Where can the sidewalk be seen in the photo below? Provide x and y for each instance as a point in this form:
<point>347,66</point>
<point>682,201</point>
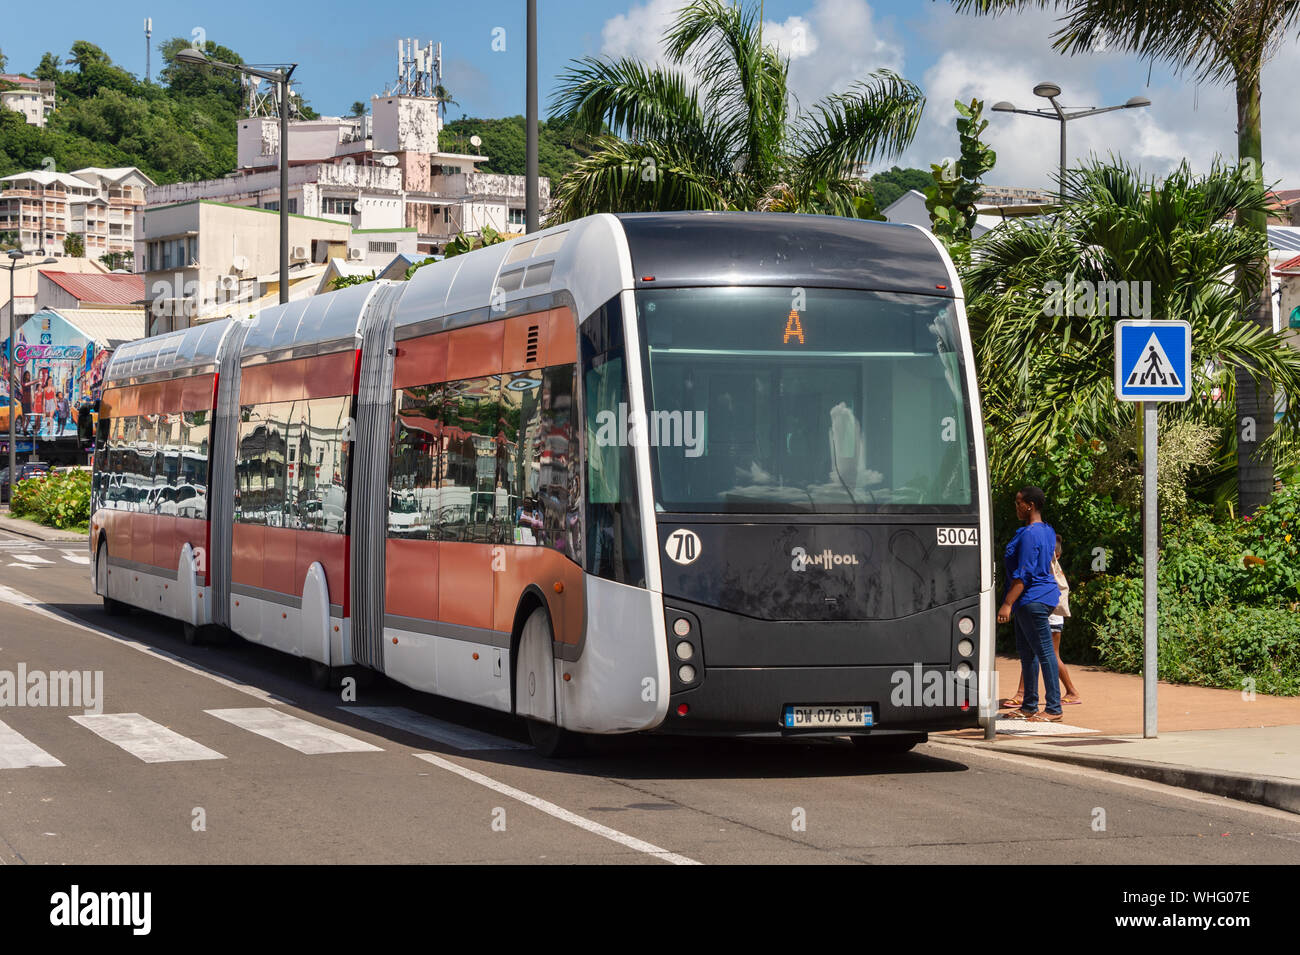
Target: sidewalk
<point>1210,740</point>
<point>18,525</point>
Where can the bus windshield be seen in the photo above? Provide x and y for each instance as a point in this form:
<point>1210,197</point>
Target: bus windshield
<point>780,400</point>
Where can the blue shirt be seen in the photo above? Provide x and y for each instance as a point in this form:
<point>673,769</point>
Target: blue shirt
<point>1029,558</point>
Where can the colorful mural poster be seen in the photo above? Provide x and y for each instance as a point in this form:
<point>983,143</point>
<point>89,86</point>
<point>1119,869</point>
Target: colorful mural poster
<point>57,371</point>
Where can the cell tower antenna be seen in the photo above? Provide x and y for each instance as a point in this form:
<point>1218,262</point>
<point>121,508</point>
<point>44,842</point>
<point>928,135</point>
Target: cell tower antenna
<point>148,32</point>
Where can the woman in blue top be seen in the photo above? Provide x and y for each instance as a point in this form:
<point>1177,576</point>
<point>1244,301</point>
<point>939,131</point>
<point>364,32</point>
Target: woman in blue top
<point>1032,593</point>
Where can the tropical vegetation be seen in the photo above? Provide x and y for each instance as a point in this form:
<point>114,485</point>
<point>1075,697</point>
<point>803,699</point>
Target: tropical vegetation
<point>718,128</point>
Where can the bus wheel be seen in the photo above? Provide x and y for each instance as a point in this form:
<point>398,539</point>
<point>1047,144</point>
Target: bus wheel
<point>322,674</point>
<point>535,689</point>
<point>887,745</point>
<point>114,608</point>
<point>193,635</point>
<point>553,742</point>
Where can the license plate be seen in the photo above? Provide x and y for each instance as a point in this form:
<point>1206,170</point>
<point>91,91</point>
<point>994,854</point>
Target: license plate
<point>822,717</point>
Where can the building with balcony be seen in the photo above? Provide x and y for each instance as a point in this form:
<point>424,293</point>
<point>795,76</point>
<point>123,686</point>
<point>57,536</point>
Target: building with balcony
<point>381,172</point>
<point>44,208</point>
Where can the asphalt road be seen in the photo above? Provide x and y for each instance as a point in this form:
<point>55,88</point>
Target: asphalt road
<point>228,754</point>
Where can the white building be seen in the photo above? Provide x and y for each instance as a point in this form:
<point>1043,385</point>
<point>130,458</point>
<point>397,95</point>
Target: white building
<point>379,172</point>
<point>33,98</point>
<point>45,207</point>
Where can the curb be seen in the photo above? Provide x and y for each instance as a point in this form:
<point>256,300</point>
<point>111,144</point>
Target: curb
<point>37,531</point>
<point>1275,792</point>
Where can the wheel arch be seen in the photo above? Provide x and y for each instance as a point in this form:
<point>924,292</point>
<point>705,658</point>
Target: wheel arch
<point>531,599</point>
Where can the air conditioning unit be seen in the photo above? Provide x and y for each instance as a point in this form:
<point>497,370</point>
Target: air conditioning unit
<point>355,255</point>
<point>229,282</point>
<point>239,263</point>
<point>300,252</point>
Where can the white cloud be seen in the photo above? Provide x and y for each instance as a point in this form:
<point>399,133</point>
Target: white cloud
<point>834,43</point>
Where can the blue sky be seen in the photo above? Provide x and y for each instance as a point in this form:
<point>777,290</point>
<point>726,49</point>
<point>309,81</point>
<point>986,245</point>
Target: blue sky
<point>345,54</point>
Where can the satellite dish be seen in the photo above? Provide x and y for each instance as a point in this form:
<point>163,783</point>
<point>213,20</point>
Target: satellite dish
<point>1294,319</point>
<point>388,160</point>
<point>475,141</point>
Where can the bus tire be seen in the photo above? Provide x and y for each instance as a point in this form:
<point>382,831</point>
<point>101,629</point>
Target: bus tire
<point>534,672</point>
<point>892,745</point>
<point>322,674</point>
<point>193,635</point>
<point>114,608</point>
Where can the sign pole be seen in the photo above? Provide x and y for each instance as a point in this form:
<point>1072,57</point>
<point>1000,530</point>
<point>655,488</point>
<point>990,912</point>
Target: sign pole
<point>1150,557</point>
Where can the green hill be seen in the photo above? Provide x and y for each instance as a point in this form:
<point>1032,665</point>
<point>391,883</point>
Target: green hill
<point>503,144</point>
<point>178,129</point>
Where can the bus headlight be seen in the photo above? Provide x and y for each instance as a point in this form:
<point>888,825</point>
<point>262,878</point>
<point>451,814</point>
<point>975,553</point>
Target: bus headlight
<point>967,626</point>
<point>687,674</point>
<point>965,647</point>
<point>685,651</point>
<point>681,626</point>
<point>963,670</point>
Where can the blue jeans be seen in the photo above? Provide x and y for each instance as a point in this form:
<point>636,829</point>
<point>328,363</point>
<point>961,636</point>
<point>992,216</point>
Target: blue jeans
<point>1034,644</point>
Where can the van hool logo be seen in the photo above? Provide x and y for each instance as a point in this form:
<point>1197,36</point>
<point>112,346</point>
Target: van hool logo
<point>827,558</point>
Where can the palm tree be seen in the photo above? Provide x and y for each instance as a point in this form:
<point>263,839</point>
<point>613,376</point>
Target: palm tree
<point>1045,354</point>
<point>443,96</point>
<point>718,129</point>
<point>1218,41</point>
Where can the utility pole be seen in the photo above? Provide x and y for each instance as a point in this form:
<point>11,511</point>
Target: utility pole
<point>531,198</point>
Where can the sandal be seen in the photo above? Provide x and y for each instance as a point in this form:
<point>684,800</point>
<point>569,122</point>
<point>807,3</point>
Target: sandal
<point>1011,702</point>
<point>1068,702</point>
<point>1044,717</point>
<point>1021,715</point>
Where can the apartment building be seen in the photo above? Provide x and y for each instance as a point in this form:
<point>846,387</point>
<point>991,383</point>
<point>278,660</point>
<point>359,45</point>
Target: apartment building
<point>45,207</point>
<point>383,172</point>
<point>33,98</point>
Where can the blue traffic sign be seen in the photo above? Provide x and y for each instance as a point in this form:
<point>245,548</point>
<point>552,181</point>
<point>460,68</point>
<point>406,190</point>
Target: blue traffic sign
<point>1153,360</point>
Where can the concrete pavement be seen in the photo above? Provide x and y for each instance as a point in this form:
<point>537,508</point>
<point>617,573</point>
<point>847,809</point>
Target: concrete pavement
<point>26,528</point>
<point>1225,742</point>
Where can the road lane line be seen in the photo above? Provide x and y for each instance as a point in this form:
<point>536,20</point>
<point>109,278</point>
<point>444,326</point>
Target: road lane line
<point>290,731</point>
<point>32,559</point>
<point>18,752</point>
<point>559,812</point>
<point>19,599</point>
<point>76,558</point>
<point>144,739</point>
<point>399,717</point>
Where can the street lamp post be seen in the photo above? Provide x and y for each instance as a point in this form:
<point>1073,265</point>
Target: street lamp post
<point>15,256</point>
<point>197,57</point>
<point>1050,91</point>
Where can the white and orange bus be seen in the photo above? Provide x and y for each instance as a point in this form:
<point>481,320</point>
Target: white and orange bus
<point>687,473</point>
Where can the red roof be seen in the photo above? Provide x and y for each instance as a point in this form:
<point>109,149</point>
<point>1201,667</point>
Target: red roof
<point>100,289</point>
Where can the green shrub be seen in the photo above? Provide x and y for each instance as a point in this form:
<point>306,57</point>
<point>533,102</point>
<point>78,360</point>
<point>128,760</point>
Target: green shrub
<point>57,500</point>
<point>1217,646</point>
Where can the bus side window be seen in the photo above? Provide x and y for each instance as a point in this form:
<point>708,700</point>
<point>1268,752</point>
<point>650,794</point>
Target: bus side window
<point>613,532</point>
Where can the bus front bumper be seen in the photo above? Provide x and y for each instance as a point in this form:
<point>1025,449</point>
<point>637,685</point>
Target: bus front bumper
<point>752,700</point>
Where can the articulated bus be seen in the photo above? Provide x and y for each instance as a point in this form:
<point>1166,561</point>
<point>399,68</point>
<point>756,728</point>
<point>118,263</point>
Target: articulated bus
<point>691,473</point>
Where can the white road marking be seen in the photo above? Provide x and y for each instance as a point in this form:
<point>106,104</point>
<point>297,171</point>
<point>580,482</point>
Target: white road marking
<point>76,558</point>
<point>144,739</point>
<point>297,734</point>
<point>399,717</point>
<point>32,559</point>
<point>19,599</point>
<point>24,566</point>
<point>17,752</point>
<point>559,812</point>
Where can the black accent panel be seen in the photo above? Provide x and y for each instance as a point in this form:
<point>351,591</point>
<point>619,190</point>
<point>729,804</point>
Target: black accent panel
<point>751,701</point>
<point>765,248</point>
<point>859,571</point>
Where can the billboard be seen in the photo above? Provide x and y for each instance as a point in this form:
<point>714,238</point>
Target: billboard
<point>56,370</point>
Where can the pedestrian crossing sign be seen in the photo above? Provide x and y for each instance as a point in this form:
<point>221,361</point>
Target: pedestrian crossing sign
<point>1153,360</point>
